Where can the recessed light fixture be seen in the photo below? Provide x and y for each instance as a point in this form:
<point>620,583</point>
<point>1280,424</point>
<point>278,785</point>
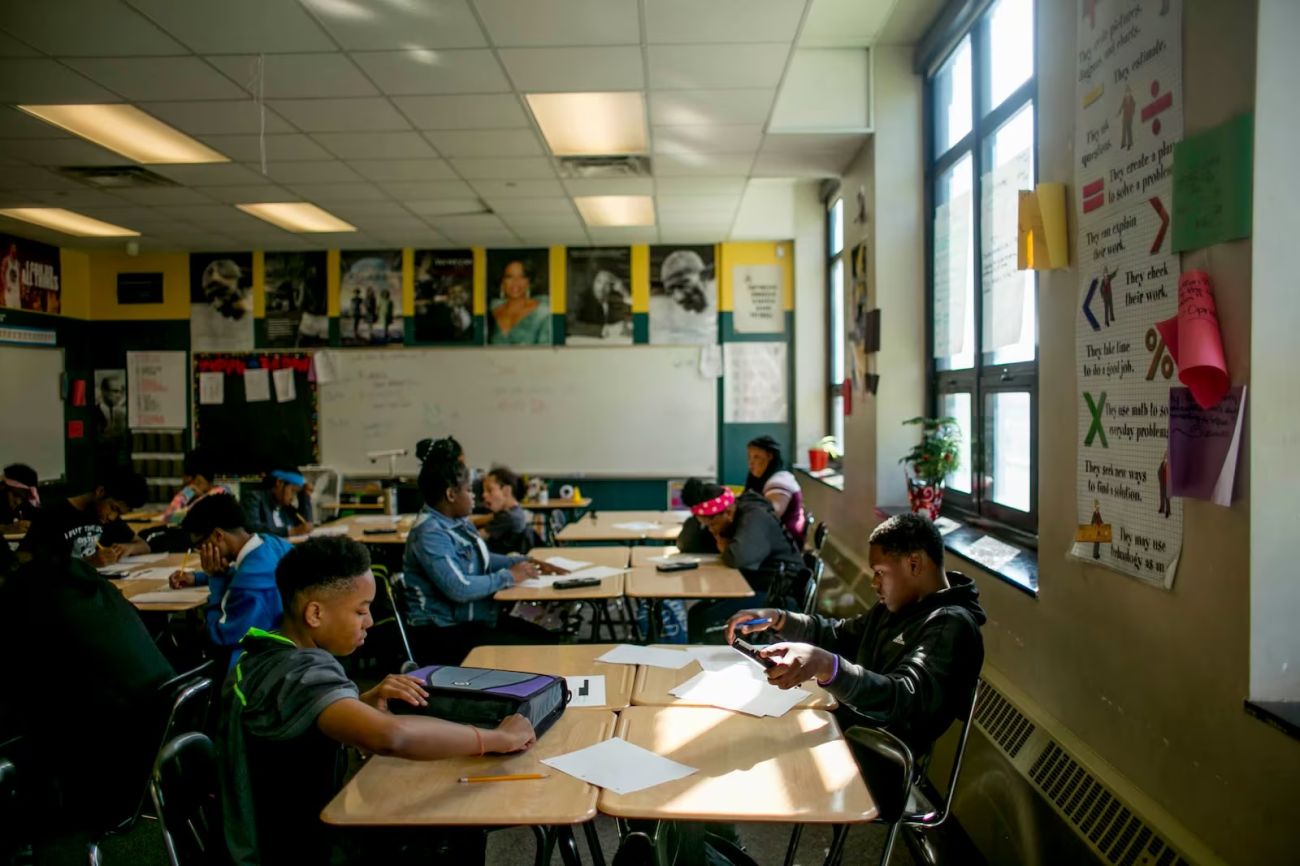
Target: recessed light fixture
<point>68,222</point>
<point>591,124</point>
<point>129,131</point>
<point>616,210</point>
<point>297,216</point>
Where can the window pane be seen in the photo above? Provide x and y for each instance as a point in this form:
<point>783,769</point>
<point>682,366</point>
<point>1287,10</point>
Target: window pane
<point>835,231</point>
<point>1011,48</point>
<point>958,406</point>
<point>1009,326</point>
<point>952,99</point>
<point>836,335</point>
<point>954,277</point>
<point>837,420</point>
<point>1009,448</point>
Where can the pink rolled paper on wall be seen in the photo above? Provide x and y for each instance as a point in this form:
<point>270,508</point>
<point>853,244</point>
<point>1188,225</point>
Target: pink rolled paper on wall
<point>1193,340</point>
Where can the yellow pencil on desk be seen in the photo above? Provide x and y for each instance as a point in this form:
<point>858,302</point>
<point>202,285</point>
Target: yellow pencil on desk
<point>517,777</point>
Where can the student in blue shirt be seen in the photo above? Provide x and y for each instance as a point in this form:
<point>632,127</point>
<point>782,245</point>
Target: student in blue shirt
<point>451,575</point>
<point>281,506</point>
<point>238,567</point>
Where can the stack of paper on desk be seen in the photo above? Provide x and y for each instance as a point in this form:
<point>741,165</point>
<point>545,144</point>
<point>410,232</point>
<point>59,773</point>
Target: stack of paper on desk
<point>741,688</point>
<point>321,531</point>
<point>717,658</point>
<point>600,572</point>
<point>171,596</point>
<point>566,563</point>
<point>619,766</point>
<point>148,574</point>
<point>637,526</point>
<point>375,520</point>
<point>142,559</point>
<point>626,654</point>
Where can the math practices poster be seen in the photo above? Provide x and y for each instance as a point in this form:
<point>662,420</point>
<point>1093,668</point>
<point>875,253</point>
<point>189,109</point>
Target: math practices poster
<point>1128,117</point>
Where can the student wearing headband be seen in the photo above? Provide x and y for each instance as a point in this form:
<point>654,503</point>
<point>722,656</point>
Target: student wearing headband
<point>745,531</point>
<point>21,500</point>
<point>281,506</point>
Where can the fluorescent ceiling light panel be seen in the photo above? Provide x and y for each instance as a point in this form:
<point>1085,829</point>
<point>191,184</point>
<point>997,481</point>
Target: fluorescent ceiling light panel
<point>616,210</point>
<point>68,222</point>
<point>591,124</point>
<point>296,216</point>
<point>127,130</point>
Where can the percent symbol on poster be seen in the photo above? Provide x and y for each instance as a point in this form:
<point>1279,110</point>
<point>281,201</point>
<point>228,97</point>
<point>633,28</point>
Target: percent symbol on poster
<point>1160,357</point>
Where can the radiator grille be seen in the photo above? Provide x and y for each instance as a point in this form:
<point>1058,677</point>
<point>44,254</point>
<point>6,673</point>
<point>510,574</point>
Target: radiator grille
<point>1004,724</point>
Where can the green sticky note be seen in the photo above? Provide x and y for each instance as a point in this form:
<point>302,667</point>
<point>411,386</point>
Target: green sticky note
<point>1212,185</point>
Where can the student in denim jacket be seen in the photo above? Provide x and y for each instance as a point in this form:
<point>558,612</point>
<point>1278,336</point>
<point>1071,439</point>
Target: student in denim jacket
<point>451,575</point>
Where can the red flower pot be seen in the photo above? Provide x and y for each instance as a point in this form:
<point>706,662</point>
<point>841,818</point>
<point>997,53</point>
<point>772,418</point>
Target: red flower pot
<point>925,498</point>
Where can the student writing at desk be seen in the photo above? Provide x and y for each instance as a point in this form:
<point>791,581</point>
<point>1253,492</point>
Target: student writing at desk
<point>289,710</point>
<point>21,499</point>
<point>281,506</point>
<point>196,476</point>
<point>90,526</point>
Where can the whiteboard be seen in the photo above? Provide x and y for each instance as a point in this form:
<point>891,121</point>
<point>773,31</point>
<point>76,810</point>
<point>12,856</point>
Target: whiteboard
<point>31,406</point>
<point>627,411</point>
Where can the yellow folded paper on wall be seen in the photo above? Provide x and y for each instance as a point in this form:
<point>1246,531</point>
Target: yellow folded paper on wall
<point>1043,242</point>
<point>1097,533</point>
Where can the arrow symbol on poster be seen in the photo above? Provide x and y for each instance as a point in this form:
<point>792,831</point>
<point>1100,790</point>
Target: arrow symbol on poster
<point>1087,303</point>
<point>1164,222</point>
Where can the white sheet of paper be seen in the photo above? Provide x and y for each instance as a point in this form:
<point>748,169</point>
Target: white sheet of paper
<point>212,389</point>
<point>946,525</point>
<point>285,388</point>
<point>1223,486</point>
<point>679,516</point>
<point>116,570</point>
<point>257,385</point>
<point>376,520</point>
<point>742,688</point>
<point>566,563</point>
<point>717,658</point>
<point>149,574</point>
<point>599,572</point>
<point>171,596</point>
<point>326,367</point>
<point>328,530</point>
<point>710,361</point>
<point>637,525</point>
<point>627,654</point>
<point>991,553</point>
<point>142,559</point>
<point>619,766</point>
<point>588,691</point>
<point>702,558</point>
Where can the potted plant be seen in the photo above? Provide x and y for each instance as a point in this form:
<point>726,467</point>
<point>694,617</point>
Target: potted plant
<point>930,462</point>
<point>820,454</point>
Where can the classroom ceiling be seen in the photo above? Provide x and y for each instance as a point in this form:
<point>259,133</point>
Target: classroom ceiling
<point>407,117</point>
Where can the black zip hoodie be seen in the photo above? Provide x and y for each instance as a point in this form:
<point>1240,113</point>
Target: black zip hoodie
<point>909,672</point>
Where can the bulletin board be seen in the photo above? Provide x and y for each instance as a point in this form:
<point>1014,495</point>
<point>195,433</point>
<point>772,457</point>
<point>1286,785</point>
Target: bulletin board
<point>278,425</point>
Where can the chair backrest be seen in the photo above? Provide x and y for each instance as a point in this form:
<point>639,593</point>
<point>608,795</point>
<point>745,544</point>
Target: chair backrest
<point>187,801</point>
<point>819,537</point>
<point>940,814</point>
<point>886,765</point>
<point>816,569</point>
<point>396,605</point>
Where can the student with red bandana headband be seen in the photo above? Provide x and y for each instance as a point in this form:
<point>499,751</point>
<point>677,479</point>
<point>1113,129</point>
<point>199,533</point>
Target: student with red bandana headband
<point>19,500</point>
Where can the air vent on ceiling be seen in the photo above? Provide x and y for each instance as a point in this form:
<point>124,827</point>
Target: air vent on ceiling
<point>604,167</point>
<point>115,176</point>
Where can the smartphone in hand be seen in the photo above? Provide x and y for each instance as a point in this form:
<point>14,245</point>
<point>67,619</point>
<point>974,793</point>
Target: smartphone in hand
<point>752,651</point>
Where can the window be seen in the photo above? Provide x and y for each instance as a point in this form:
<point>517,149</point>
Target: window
<point>835,327</point>
<point>983,312</point>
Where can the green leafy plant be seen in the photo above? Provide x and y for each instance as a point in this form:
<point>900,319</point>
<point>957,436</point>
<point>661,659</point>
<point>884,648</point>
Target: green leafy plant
<point>830,446</point>
<point>938,454</point>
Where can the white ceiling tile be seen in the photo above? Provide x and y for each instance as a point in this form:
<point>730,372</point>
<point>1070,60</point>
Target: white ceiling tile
<point>123,213</point>
<point>341,240</point>
<point>487,238</point>
<point>341,115</point>
<point>29,177</point>
<point>689,107</point>
<point>766,211</point>
<point>81,198</point>
<point>689,67</point>
<point>448,207</point>
<point>85,28</point>
<point>60,151</point>
<point>403,169</point>
<point>522,168</point>
<point>247,148</point>
<point>618,186</point>
<point>158,78</point>
<point>218,118</point>
<point>369,209</point>
<point>687,164</point>
<point>427,189</point>
<point>812,164</point>
<point>532,208</point>
<point>706,139</point>
<point>365,25</point>
<point>700,185</point>
<point>494,189</point>
<point>846,145</point>
<point>476,222</point>
<point>670,21</point>
<point>290,76</point>
<point>261,192</point>
<point>519,142</point>
<point>491,111</point>
<point>623,235</point>
<point>11,47</point>
<point>806,104</point>
<point>687,235</point>
<point>845,22</point>
<point>331,171</point>
<point>425,71</point>
<point>561,22</point>
<point>164,196</point>
<point>16,124</point>
<point>33,81</point>
<point>544,237</point>
<point>379,224</point>
<point>238,26</point>
<point>376,145</point>
<point>696,205</point>
<point>322,193</point>
<point>531,223</point>
<point>908,21</point>
<point>538,70</point>
<point>221,174</point>
<point>719,225</point>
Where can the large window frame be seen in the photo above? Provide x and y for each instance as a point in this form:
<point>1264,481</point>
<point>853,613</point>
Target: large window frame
<point>836,271</point>
<point>983,379</point>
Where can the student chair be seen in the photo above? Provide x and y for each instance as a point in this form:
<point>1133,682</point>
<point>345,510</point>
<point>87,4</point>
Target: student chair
<point>187,802</point>
<point>395,613</point>
<point>819,537</point>
<point>816,568</point>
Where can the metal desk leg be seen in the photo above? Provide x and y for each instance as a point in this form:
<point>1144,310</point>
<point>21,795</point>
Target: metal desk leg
<point>629,609</point>
<point>545,845</point>
<point>793,847</point>
<point>835,853</point>
<point>593,843</point>
<point>568,846</point>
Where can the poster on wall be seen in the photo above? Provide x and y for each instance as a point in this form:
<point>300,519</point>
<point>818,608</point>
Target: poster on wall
<point>297,307</point>
<point>444,297</point>
<point>758,296</point>
<point>1128,117</point>
<point>754,387</point>
<point>110,405</point>
<point>599,296</point>
<point>370,297</point>
<point>683,296</point>
<point>155,387</point>
<point>29,275</point>
<point>221,302</point>
<point>518,297</point>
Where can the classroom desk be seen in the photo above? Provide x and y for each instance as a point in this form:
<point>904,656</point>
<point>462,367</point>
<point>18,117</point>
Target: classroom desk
<point>653,684</point>
<point>600,526</point>
<point>135,587</point>
<point>554,504</point>
<point>710,580</point>
<point>796,768</point>
<point>565,660</point>
<point>610,587</point>
<point>398,527</point>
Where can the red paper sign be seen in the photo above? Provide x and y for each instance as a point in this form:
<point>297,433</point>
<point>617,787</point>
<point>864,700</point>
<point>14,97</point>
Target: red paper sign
<point>76,430</point>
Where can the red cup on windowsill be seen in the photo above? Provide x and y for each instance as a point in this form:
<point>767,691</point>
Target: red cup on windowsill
<point>817,459</point>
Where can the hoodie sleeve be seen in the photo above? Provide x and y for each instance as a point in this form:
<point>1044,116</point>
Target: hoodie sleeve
<point>840,636</point>
<point>435,552</point>
<point>249,599</point>
<point>694,538</point>
<point>751,544</point>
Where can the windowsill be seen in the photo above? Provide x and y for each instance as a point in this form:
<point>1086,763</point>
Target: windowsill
<point>1020,570</point>
<point>1283,715</point>
<point>830,476</point>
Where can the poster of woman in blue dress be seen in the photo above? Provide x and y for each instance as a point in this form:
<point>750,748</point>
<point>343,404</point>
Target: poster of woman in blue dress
<point>519,307</point>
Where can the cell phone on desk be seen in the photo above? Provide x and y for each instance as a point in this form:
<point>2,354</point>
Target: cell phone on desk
<point>577,583</point>
<point>683,565</point>
<point>750,650</point>
<point>386,530</point>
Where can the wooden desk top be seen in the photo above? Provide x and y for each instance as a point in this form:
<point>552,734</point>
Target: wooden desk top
<point>707,581</point>
<point>600,526</point>
<point>793,768</point>
<point>566,660</point>
<point>400,792</point>
<point>653,684</point>
<point>131,588</point>
<point>610,587</point>
<point>556,504</point>
<point>644,555</point>
<point>399,525</point>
